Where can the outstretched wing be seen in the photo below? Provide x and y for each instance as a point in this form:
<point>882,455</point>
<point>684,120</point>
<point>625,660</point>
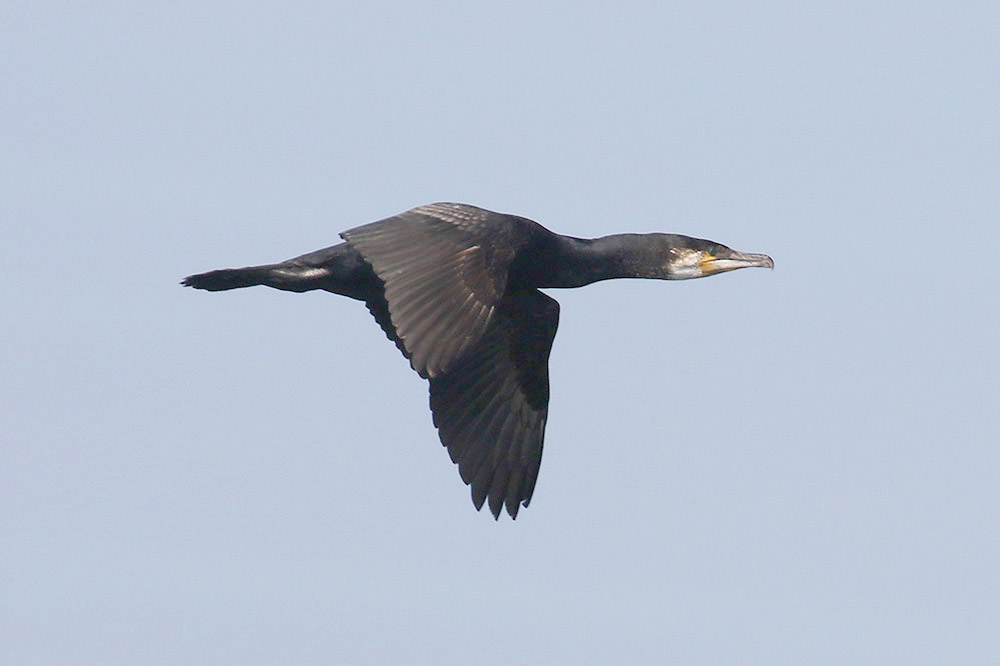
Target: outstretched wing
<point>490,407</point>
<point>444,267</point>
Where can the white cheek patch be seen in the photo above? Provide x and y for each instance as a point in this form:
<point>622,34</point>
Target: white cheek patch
<point>686,272</point>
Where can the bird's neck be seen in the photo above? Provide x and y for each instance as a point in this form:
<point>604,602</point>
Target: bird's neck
<point>580,261</point>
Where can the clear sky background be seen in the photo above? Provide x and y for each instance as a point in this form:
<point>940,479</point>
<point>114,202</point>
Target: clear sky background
<point>798,466</point>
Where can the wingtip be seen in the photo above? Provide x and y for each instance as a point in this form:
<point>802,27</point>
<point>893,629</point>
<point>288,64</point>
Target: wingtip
<point>512,509</point>
<point>479,500</point>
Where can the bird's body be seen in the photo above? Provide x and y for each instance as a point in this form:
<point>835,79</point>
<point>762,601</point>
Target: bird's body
<point>456,287</point>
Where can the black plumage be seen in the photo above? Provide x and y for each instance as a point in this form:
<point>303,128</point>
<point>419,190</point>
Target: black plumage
<point>456,287</point>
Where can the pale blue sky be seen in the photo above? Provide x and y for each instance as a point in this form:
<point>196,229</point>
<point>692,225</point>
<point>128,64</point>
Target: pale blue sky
<point>788,467</point>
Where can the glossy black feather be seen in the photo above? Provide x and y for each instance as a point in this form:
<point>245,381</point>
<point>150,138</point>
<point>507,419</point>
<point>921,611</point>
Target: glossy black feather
<point>444,273</point>
<point>491,407</point>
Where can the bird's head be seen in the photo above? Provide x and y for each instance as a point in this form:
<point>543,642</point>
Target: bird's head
<point>695,257</point>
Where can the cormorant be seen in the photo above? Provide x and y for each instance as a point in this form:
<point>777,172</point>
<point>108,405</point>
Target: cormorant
<point>456,287</point>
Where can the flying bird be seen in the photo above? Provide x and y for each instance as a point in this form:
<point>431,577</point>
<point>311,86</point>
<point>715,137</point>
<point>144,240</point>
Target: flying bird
<point>456,288</point>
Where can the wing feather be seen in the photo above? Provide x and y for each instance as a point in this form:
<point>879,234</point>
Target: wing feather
<point>491,406</point>
<point>444,269</point>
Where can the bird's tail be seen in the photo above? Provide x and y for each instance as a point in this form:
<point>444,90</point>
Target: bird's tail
<point>231,278</point>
